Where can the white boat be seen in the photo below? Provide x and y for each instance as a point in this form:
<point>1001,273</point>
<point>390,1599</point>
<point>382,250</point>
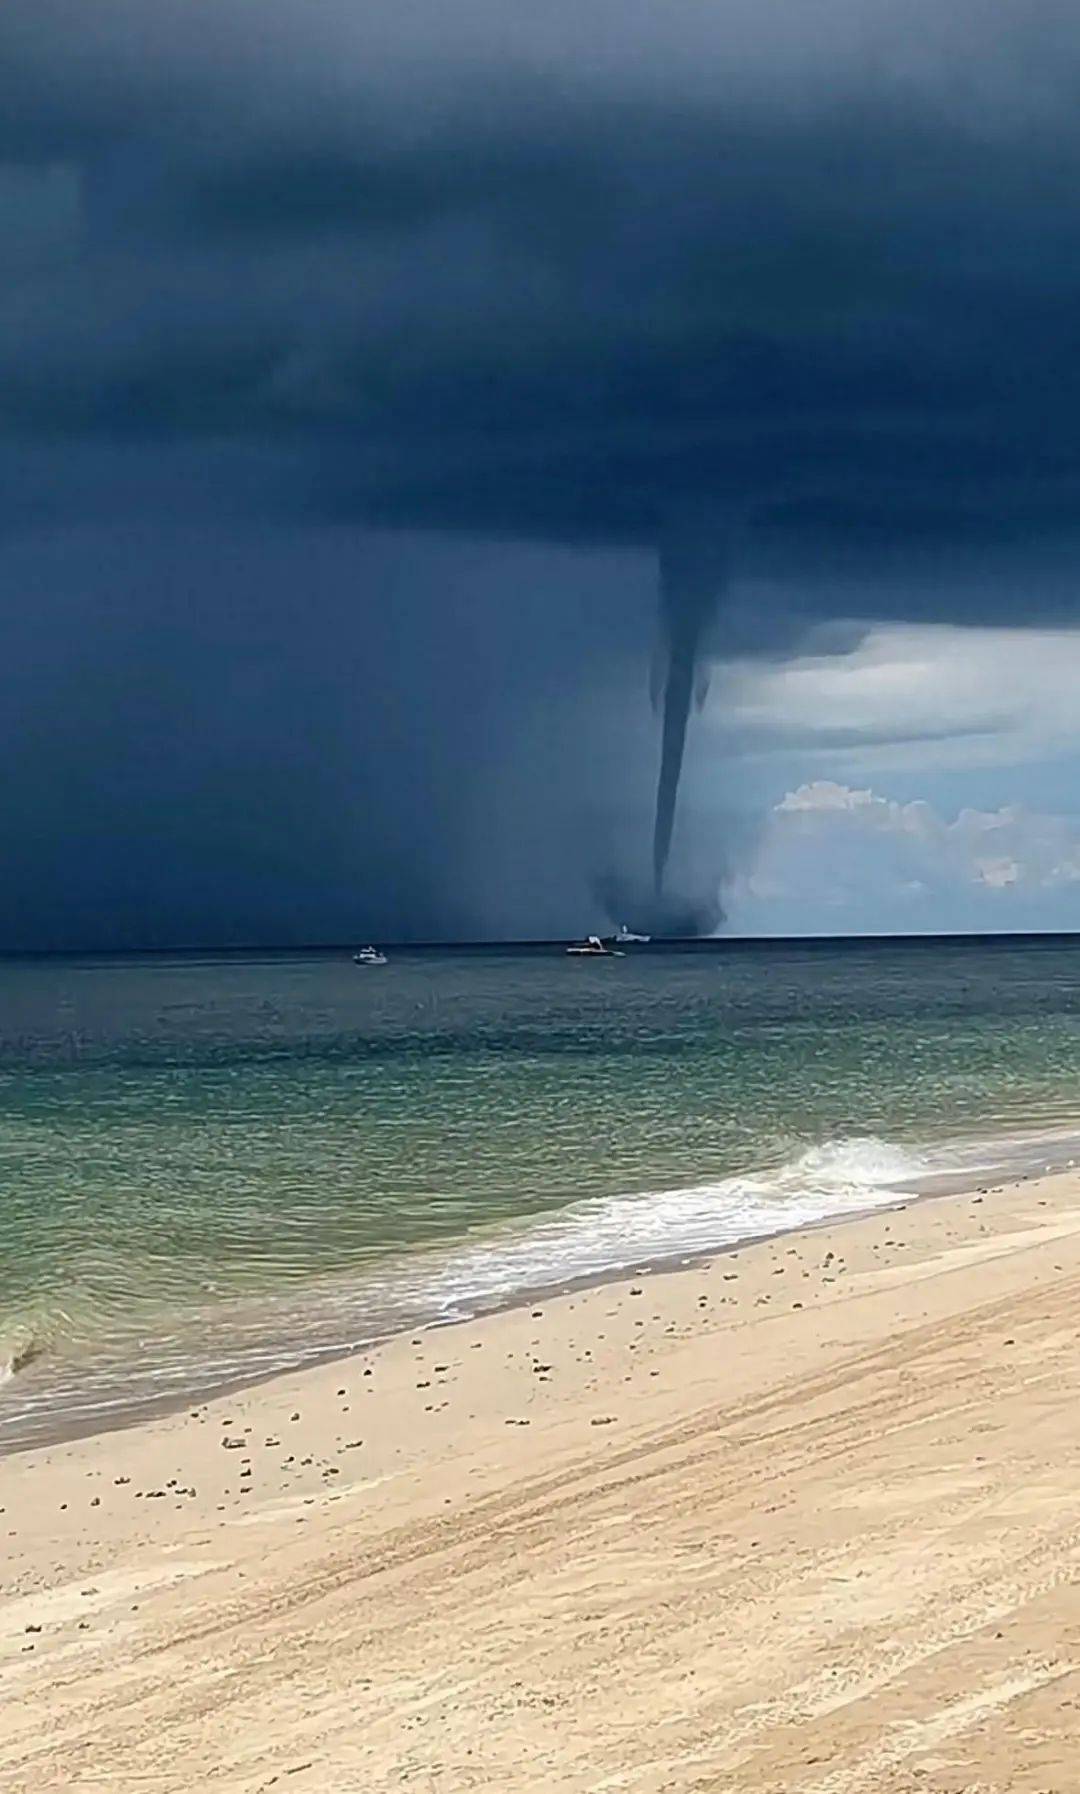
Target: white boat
<point>627,938</point>
<point>369,956</point>
<point>592,948</point>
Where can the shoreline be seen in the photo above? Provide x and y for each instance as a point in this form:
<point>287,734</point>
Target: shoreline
<point>135,1412</point>
<point>755,1495</point>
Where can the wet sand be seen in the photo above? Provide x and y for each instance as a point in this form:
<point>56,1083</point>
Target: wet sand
<point>806,1517</point>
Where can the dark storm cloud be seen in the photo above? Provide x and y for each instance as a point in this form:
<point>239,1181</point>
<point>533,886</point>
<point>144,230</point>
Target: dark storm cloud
<point>544,274</point>
<point>213,732</point>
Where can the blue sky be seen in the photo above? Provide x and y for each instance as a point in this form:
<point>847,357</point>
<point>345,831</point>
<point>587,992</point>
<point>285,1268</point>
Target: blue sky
<point>924,780</point>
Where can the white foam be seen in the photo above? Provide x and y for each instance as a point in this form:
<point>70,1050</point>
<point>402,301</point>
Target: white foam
<point>613,1233</point>
<point>236,1342</point>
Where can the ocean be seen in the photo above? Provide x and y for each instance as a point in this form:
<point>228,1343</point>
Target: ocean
<point>216,1167</point>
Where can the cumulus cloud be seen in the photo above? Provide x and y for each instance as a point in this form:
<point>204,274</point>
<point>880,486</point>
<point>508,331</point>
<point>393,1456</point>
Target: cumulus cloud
<point>835,858</point>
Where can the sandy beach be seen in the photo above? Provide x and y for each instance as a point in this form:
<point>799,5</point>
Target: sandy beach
<point>805,1517</point>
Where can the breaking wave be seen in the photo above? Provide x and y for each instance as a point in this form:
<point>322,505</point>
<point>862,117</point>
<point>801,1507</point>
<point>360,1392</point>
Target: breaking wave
<point>91,1379</point>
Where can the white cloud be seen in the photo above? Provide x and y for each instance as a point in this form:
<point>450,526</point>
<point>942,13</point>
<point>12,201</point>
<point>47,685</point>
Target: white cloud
<point>834,856</point>
<point>826,794</point>
<point>912,695</point>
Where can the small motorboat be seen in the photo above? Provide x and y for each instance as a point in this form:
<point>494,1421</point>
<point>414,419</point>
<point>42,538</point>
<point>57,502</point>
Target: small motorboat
<point>627,938</point>
<point>592,948</point>
<point>369,956</point>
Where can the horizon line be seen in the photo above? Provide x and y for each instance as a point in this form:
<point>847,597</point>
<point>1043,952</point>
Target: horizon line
<point>699,943</point>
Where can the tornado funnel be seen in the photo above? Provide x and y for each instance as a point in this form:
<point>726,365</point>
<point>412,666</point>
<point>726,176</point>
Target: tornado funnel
<point>693,566</point>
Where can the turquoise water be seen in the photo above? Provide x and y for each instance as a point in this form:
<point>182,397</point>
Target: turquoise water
<point>210,1168</point>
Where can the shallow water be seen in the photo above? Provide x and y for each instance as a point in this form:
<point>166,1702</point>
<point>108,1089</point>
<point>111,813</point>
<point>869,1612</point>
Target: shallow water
<point>210,1168</point>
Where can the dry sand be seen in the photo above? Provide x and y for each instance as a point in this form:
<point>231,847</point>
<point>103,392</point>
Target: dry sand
<point>804,1518</point>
